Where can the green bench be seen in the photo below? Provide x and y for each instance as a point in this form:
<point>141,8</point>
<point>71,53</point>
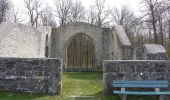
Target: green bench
<point>156,85</point>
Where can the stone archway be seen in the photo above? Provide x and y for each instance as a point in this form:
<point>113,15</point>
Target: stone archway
<point>80,52</point>
<point>61,37</point>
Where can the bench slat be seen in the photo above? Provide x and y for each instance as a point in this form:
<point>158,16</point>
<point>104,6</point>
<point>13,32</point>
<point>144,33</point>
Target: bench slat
<point>142,93</point>
<point>141,81</point>
<point>141,85</point>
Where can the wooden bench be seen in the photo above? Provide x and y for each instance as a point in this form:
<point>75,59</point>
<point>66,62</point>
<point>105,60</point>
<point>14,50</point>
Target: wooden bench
<point>156,85</point>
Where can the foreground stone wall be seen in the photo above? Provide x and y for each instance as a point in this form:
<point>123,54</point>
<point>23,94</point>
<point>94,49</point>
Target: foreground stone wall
<point>134,70</point>
<point>31,75</point>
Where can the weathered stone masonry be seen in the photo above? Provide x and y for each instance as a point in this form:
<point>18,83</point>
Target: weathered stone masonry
<point>33,75</point>
<point>22,41</point>
<point>109,43</point>
<point>61,36</point>
<point>134,70</point>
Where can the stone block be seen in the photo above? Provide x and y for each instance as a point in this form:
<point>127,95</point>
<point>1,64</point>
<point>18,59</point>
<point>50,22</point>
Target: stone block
<point>31,75</point>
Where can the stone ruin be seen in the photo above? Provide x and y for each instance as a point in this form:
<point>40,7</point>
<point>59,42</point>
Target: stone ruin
<point>22,41</point>
<point>32,59</point>
<point>151,52</point>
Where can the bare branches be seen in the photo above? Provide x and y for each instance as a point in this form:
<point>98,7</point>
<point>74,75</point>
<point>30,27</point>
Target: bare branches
<point>63,9</point>
<point>48,17</point>
<point>156,11</point>
<point>131,23</point>
<point>91,16</point>
<point>102,12</point>
<point>5,5</point>
<point>77,13</point>
<point>98,14</point>
<point>16,16</point>
<point>126,18</point>
<point>33,11</point>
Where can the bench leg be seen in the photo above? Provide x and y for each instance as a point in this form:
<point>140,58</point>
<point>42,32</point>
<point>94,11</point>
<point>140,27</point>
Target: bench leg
<point>124,97</point>
<point>161,97</point>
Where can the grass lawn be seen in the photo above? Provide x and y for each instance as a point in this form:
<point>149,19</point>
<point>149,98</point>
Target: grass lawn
<point>85,84</point>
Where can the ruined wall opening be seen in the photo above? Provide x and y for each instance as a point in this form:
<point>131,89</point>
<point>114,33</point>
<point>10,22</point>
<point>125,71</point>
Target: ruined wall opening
<point>80,52</point>
<point>46,46</point>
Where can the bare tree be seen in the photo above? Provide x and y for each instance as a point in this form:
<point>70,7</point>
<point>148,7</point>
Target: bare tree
<point>124,17</point>
<point>127,19</point>
<point>33,11</point>
<point>63,9</point>
<point>102,12</point>
<point>5,6</point>
<point>159,16</point>
<point>163,16</point>
<point>152,6</point>
<point>116,16</point>
<point>91,15</point>
<point>16,16</point>
<point>156,12</point>
<point>77,13</point>
<point>47,17</point>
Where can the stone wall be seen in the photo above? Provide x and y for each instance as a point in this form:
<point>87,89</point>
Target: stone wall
<point>122,47</point>
<point>61,37</point>
<point>22,41</point>
<point>45,39</point>
<point>151,52</point>
<point>33,75</point>
<point>107,46</point>
<point>134,70</point>
<point>117,46</point>
<point>122,52</point>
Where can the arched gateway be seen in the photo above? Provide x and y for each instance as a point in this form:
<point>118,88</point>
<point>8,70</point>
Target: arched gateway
<point>80,52</point>
<point>76,35</point>
<point>84,47</point>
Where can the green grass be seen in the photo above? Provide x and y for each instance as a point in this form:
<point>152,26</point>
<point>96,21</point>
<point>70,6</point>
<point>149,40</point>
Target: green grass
<point>74,84</point>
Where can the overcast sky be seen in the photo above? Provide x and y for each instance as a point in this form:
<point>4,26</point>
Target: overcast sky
<point>134,4</point>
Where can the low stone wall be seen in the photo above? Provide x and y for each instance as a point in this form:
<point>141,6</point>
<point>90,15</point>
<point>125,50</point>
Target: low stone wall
<point>33,75</point>
<point>134,70</point>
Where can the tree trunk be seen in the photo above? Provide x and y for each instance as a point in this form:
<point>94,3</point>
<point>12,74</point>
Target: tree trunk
<point>161,30</point>
<point>169,28</point>
<point>153,23</point>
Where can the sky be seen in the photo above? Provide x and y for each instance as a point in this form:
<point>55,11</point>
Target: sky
<point>134,4</point>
